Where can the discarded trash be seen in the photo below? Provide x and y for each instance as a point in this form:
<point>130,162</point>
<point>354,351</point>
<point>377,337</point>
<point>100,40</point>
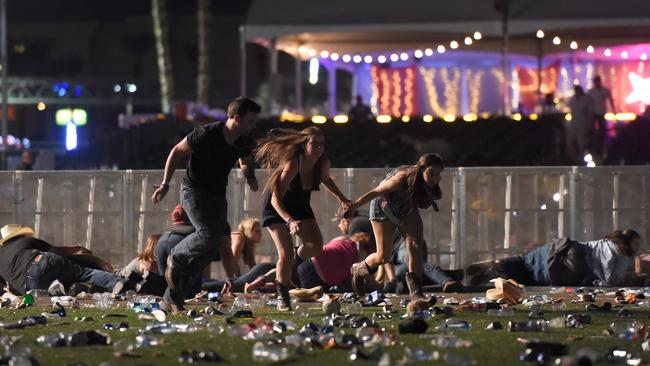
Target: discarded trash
<point>419,354</point>
<point>194,356</point>
<point>273,352</point>
<point>456,324</point>
<point>82,338</point>
<point>528,326</point>
<point>543,352</point>
<point>456,359</point>
<point>449,341</point>
<point>373,354</point>
<point>331,307</point>
<point>413,325</point>
<point>501,312</point>
<point>621,356</point>
<point>24,322</point>
<point>606,306</point>
<point>494,326</point>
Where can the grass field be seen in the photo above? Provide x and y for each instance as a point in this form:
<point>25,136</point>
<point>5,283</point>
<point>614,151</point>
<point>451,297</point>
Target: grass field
<point>489,348</point>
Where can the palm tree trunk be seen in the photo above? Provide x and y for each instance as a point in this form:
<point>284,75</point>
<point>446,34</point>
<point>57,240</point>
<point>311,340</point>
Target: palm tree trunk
<point>203,75</point>
<point>160,31</point>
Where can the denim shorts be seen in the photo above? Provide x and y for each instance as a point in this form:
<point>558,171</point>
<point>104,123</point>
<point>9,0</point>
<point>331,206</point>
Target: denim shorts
<point>382,209</point>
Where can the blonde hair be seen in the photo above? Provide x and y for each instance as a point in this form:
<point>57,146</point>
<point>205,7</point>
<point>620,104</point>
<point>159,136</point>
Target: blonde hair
<point>247,225</point>
<point>280,146</point>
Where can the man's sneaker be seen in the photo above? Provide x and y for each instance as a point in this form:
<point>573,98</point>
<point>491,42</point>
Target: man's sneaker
<point>171,307</point>
<point>56,288</point>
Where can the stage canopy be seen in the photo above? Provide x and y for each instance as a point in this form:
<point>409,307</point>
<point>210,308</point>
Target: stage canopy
<point>366,26</point>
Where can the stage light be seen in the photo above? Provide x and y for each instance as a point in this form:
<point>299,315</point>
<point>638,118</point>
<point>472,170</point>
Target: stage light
<point>573,45</point>
<point>477,35</point>
<point>314,65</point>
<point>449,118</point>
<point>428,52</point>
<point>640,89</point>
<point>334,57</point>
<point>625,116</point>
<point>441,49</point>
<point>117,88</point>
<point>311,53</point>
<point>384,118</point>
<point>533,117</point>
<point>453,45</point>
<point>568,117</point>
<point>644,57</point>
<point>542,207</point>
<point>590,49</point>
<point>319,119</point>
<point>79,116</point>
<point>367,59</point>
<point>470,117</point>
<point>418,53</point>
<point>340,118</point>
<point>517,117</point>
<point>324,54</point>
<point>70,136</point>
<point>427,118</point>
<point>610,116</point>
<point>556,197</point>
<point>587,158</point>
<point>381,59</point>
<point>357,59</point>
<point>468,41</point>
<point>406,119</point>
<point>394,57</point>
<point>346,58</point>
<point>540,34</point>
<point>624,55</point>
<point>607,52</point>
<point>302,50</point>
<point>403,56</point>
<point>131,88</point>
<point>41,106</point>
<point>557,41</point>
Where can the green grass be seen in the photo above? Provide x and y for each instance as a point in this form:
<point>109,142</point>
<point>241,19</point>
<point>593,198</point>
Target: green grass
<point>490,347</point>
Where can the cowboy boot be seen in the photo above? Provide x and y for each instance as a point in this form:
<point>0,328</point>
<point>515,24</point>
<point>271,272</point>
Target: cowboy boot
<point>284,300</point>
<point>360,274</point>
<point>418,301</point>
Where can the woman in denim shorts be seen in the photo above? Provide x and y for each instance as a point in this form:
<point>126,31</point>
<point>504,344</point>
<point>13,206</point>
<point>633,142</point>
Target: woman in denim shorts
<point>394,205</point>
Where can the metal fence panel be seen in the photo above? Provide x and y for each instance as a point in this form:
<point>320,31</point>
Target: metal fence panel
<point>485,213</point>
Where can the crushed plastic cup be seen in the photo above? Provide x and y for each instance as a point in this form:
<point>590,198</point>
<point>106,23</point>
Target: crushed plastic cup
<point>559,322</point>
<point>558,306</point>
<point>145,340</point>
<point>240,302</point>
<point>63,300</point>
<point>123,346</point>
<point>300,311</point>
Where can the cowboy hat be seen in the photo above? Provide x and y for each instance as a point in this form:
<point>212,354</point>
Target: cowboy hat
<point>13,230</point>
<point>509,290</point>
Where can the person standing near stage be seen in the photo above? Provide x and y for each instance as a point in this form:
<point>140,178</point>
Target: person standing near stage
<point>213,149</point>
<point>600,96</point>
<point>299,168</point>
<point>394,204</point>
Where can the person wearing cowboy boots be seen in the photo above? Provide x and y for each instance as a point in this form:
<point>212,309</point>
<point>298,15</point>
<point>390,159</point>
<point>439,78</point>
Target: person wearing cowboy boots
<point>394,205</point>
<point>28,263</point>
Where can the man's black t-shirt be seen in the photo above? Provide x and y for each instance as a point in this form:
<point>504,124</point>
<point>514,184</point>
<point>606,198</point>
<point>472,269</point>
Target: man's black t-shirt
<point>15,257</point>
<point>212,158</point>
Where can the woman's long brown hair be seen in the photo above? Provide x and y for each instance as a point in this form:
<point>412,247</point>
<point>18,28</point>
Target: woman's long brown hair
<point>623,240</point>
<point>279,146</point>
<point>417,189</point>
<point>147,254</point>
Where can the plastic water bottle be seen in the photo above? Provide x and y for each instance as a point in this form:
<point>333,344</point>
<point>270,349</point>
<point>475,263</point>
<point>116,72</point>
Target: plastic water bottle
<point>455,324</point>
<point>271,352</point>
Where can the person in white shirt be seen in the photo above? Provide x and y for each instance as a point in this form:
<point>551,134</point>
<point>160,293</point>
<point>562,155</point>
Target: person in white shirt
<point>577,130</point>
<point>600,96</point>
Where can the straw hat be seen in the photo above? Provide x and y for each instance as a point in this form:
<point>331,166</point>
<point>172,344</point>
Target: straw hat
<point>509,290</point>
<point>13,230</point>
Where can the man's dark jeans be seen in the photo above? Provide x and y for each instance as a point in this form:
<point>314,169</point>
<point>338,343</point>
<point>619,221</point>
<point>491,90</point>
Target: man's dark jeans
<point>207,214</point>
<point>55,267</point>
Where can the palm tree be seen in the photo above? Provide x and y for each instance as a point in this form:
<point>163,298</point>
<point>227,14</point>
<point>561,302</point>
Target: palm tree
<point>160,31</point>
<point>203,75</point>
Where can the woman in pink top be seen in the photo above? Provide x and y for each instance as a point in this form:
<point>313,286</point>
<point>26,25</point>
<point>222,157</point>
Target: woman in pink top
<point>331,267</point>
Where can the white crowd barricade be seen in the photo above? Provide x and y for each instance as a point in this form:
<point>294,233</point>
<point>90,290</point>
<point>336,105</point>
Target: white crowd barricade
<point>485,213</point>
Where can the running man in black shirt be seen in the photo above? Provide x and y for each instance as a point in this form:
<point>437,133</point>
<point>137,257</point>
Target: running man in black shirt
<point>213,150</point>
